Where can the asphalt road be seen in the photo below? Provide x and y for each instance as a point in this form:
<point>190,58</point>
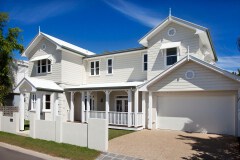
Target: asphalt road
<point>7,154</point>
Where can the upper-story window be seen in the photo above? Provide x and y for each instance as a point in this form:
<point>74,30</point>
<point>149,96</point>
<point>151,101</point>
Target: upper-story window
<point>44,66</point>
<point>171,56</point>
<point>94,68</point>
<point>145,62</point>
<point>109,66</point>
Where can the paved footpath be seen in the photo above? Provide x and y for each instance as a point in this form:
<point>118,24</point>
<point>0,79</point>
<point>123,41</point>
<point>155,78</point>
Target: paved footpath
<point>113,156</point>
<point>10,152</point>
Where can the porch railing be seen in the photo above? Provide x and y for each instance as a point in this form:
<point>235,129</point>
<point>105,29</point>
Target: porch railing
<point>118,118</point>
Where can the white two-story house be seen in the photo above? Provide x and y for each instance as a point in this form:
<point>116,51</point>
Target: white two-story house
<point>171,82</point>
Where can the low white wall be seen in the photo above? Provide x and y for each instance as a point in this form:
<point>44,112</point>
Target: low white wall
<point>93,135</point>
<point>9,124</point>
<point>98,134</point>
<point>75,133</point>
<point>45,130</point>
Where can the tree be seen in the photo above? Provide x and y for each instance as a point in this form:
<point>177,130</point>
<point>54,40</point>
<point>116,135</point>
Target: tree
<point>237,73</point>
<point>9,43</point>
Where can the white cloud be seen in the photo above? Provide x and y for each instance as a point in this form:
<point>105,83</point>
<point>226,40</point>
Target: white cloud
<point>230,63</point>
<point>41,11</point>
<point>140,14</point>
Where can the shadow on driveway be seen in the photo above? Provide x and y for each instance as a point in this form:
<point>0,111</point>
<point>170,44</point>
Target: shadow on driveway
<point>221,147</point>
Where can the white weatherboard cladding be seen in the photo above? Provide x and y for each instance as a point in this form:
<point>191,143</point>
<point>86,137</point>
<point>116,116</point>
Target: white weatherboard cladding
<point>56,55</point>
<point>72,69</point>
<point>207,112</point>
<point>205,79</point>
<point>156,58</point>
<point>126,68</point>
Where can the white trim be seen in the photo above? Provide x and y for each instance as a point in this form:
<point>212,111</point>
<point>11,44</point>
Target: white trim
<point>171,28</point>
<point>40,58</point>
<point>47,66</point>
<point>44,102</point>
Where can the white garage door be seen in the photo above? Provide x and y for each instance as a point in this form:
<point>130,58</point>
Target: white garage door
<point>197,112</point>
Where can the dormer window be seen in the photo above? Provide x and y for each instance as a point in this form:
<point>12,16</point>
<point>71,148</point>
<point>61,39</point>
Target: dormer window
<point>171,56</point>
<point>44,66</point>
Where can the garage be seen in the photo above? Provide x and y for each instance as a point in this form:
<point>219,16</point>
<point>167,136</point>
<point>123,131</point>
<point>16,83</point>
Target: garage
<point>207,112</point>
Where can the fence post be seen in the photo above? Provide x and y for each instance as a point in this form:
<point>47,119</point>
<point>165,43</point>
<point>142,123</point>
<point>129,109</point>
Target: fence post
<point>58,131</point>
<point>32,125</point>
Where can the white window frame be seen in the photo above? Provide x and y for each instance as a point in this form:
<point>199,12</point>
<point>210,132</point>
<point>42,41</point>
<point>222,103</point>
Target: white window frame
<point>109,66</point>
<point>144,62</point>
<point>165,56</point>
<point>33,101</point>
<point>47,66</point>
<point>94,67</point>
<point>44,102</point>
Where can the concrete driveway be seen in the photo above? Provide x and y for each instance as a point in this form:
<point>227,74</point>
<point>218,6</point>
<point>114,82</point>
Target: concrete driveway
<point>162,144</point>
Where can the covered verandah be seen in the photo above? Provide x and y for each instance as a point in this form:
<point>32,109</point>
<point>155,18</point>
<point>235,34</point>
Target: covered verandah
<point>120,103</point>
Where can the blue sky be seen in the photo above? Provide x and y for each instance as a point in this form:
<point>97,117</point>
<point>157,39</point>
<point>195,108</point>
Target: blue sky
<point>106,25</point>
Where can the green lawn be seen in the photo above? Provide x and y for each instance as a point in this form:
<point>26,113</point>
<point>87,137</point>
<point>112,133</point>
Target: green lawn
<point>50,147</point>
<point>113,133</point>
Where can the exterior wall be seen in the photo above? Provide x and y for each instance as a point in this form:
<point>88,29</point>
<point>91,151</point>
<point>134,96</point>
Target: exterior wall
<point>55,75</point>
<point>9,124</point>
<point>126,68</point>
<point>205,79</point>
<point>72,133</point>
<point>156,58</point>
<point>72,69</point>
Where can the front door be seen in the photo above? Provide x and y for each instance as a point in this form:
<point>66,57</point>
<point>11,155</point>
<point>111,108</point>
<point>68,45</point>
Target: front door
<point>121,104</point>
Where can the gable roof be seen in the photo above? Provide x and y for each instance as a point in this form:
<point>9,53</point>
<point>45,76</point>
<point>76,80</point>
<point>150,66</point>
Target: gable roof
<point>183,61</point>
<point>60,43</point>
<point>39,84</point>
<point>203,32</point>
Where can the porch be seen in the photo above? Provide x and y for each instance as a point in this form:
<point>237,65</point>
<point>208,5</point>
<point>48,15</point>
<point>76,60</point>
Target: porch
<point>123,107</point>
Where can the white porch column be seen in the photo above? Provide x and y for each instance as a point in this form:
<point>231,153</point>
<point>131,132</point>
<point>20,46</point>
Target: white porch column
<point>136,108</point>
<point>107,104</point>
<point>52,106</point>
<point>56,105</point>
<point>144,109</point>
<point>129,107</point>
<point>238,112</point>
<point>38,105</point>
<point>83,106</point>
<point>21,111</point>
<point>72,107</point>
<point>88,106</point>
<point>150,111</point>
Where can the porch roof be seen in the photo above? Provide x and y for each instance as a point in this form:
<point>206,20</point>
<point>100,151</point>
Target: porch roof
<point>37,84</point>
<point>121,85</point>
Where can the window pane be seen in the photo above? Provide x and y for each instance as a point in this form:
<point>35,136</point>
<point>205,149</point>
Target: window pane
<point>92,64</point>
<point>44,69</point>
<point>47,97</point>
<point>145,57</point>
<point>97,71</point>
<point>49,68</point>
<point>171,56</point>
<point>92,71</point>
<point>44,62</point>
<point>97,64</point>
<point>109,70</point>
<point>48,105</point>
<point>145,66</point>
<point>39,69</point>
<point>110,62</point>
<point>39,63</point>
